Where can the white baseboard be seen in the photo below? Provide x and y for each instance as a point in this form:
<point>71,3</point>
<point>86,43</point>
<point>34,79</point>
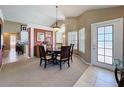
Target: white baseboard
<point>1,67</point>
<point>84,60</point>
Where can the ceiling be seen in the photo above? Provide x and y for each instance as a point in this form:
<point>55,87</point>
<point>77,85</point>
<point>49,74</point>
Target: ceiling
<point>44,14</point>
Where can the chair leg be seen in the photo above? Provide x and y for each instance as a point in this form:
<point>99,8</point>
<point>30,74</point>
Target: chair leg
<point>60,65</point>
<point>68,63</point>
<point>45,64</point>
<point>71,59</point>
<point>40,61</point>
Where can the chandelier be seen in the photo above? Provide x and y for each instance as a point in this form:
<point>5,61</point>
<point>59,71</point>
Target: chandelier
<point>56,27</point>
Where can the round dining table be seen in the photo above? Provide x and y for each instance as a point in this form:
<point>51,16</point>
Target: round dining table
<point>54,54</point>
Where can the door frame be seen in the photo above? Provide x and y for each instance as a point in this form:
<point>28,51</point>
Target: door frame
<point>94,42</point>
<point>1,24</point>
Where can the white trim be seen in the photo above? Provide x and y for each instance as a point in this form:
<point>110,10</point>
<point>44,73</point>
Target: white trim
<point>1,67</point>
<point>40,27</point>
<point>93,44</point>
<point>1,15</point>
<point>83,60</point>
<point>77,84</point>
<point>32,42</point>
<point>108,21</point>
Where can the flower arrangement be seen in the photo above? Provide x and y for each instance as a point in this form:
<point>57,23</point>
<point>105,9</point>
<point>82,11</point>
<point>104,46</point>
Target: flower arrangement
<point>45,42</point>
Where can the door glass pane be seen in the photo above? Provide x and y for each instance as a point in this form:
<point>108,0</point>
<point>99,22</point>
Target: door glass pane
<point>100,30</point>
<point>108,44</point>
<point>108,29</point>
<point>105,44</point>
<point>100,58</point>
<point>101,51</point>
<point>101,37</point>
<point>100,44</point>
<point>108,60</point>
<point>108,37</point>
<point>108,52</point>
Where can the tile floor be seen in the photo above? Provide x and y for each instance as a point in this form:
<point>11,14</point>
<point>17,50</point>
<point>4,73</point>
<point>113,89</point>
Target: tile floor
<point>96,77</point>
<point>11,56</point>
<point>92,77</point>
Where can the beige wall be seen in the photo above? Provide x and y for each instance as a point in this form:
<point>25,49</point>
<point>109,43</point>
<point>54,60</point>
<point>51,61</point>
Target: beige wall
<point>89,17</point>
<point>6,42</point>
<point>10,26</point>
<point>6,39</point>
<point>71,24</point>
<point>86,19</point>
<point>8,29</point>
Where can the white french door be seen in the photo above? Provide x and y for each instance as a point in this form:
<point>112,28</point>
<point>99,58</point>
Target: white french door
<point>107,42</point>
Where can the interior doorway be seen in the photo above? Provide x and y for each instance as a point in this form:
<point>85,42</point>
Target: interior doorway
<point>13,41</point>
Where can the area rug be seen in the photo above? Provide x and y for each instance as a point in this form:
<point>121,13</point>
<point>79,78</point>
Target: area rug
<point>28,73</point>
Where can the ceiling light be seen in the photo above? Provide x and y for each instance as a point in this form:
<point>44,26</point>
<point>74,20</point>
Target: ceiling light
<point>56,27</point>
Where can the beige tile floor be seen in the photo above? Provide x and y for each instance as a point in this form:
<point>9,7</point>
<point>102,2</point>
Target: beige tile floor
<point>11,56</point>
<point>96,77</point>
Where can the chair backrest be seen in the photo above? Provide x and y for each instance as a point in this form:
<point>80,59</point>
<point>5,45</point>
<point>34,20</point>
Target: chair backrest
<point>72,47</point>
<point>42,52</point>
<point>65,52</point>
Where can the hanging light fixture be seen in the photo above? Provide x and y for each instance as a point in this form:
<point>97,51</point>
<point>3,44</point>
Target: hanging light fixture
<point>56,27</point>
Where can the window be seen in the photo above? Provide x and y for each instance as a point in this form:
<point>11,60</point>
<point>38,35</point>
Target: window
<point>59,34</point>
<point>24,37</point>
<point>104,39</point>
<point>72,38</point>
<point>82,40</point>
<point>58,37</point>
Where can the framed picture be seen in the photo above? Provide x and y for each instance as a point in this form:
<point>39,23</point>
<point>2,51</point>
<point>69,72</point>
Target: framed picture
<point>40,36</point>
<point>23,27</point>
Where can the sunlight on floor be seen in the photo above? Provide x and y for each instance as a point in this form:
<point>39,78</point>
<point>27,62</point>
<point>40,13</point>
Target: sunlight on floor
<point>96,77</point>
<point>11,56</point>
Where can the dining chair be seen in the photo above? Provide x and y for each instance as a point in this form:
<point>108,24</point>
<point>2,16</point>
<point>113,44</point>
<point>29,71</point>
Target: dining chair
<point>121,82</point>
<point>43,56</point>
<point>119,77</point>
<point>71,51</point>
<point>64,55</point>
<point>119,72</point>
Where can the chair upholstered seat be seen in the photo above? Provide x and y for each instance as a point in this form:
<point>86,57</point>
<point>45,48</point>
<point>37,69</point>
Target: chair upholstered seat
<point>48,57</point>
<point>58,58</point>
<point>44,56</point>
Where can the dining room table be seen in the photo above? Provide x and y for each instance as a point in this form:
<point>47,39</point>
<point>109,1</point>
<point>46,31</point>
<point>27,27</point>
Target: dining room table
<point>54,54</point>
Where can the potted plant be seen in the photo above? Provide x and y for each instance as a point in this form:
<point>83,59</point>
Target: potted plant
<point>45,44</point>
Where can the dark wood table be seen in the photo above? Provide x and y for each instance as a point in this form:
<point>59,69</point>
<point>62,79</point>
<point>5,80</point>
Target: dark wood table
<point>54,54</point>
